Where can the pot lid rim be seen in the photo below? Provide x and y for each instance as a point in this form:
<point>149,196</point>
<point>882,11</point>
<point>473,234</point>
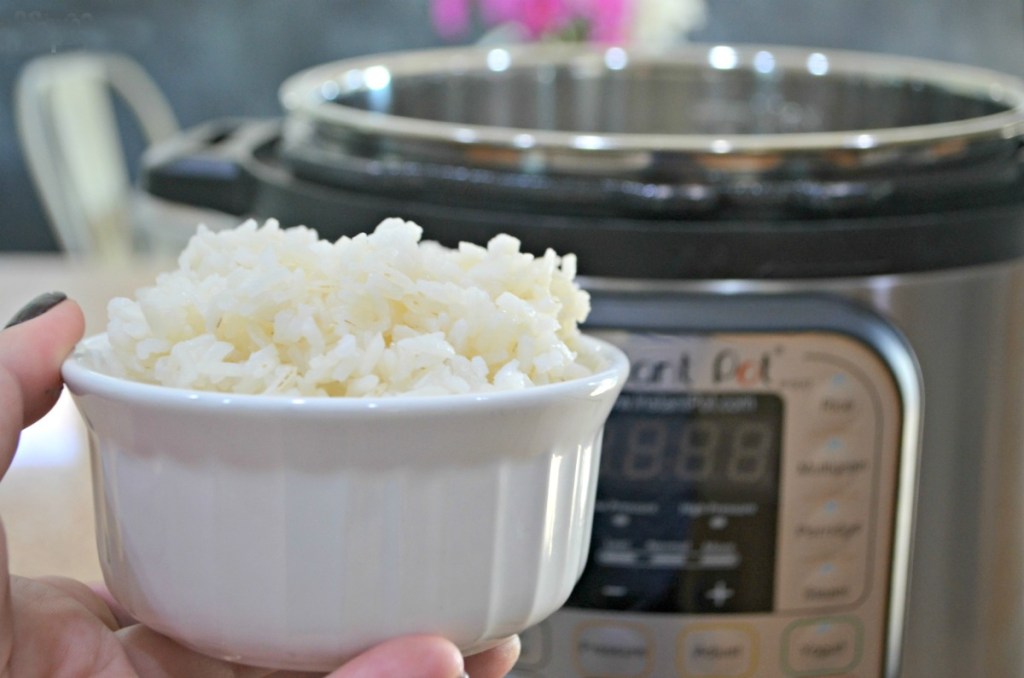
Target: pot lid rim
<point>301,95</point>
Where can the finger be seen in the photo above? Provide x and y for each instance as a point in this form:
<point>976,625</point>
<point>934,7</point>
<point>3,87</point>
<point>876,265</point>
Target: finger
<point>30,358</point>
<point>85,597</point>
<point>409,657</point>
<point>6,614</point>
<point>32,352</point>
<point>121,615</point>
<point>155,656</point>
<point>496,662</point>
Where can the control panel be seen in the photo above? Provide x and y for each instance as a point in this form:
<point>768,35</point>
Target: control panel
<point>745,514</point>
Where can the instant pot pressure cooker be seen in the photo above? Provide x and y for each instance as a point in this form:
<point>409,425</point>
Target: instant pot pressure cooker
<point>815,262</point>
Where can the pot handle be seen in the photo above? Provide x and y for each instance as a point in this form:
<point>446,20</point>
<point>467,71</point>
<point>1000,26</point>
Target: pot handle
<point>206,166</point>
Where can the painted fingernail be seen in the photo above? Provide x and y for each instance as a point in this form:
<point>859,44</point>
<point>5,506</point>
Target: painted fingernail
<point>36,307</point>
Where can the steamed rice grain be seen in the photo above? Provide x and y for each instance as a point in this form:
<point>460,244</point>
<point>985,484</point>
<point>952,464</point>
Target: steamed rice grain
<point>261,309</point>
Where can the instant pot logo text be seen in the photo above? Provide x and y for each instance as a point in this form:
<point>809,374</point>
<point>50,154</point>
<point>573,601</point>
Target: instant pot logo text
<point>730,366</point>
<point>727,366</point>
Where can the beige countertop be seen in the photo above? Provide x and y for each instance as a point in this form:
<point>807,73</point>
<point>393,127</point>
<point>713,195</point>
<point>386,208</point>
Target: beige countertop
<point>46,496</point>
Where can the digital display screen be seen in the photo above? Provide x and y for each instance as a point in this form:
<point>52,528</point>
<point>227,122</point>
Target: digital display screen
<point>687,504</point>
<point>722,451</point>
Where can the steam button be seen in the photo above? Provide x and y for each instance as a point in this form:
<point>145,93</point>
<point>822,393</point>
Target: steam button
<point>837,580</point>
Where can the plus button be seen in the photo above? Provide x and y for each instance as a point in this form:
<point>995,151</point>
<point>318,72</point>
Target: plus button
<point>719,594</point>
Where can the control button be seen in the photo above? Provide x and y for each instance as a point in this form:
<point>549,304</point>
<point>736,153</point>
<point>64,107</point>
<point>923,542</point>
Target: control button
<point>816,539</point>
<point>835,461</point>
<point>534,645</point>
<point>829,578</point>
<point>723,651</point>
<point>832,523</point>
<point>837,402</point>
<point>621,520</point>
<point>624,588</point>
<point>829,567</point>
<point>719,594</point>
<point>616,557</point>
<point>817,645</point>
<point>838,580</point>
<point>613,650</point>
<point>841,516</point>
<point>849,506</point>
<point>723,591</point>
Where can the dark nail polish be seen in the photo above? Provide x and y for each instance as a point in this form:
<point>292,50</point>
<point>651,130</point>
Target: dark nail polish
<point>36,307</point>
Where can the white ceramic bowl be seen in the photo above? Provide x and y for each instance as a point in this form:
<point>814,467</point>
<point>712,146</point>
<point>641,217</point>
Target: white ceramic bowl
<point>293,533</point>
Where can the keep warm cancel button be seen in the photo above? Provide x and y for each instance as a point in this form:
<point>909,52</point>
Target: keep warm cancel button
<point>816,645</point>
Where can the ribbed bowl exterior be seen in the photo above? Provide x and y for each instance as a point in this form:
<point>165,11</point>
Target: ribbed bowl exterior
<point>297,537</point>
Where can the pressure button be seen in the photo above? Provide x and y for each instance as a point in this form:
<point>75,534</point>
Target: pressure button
<point>613,650</point>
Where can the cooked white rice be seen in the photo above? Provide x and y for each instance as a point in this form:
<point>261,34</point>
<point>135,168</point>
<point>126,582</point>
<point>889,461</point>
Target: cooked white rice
<point>261,309</point>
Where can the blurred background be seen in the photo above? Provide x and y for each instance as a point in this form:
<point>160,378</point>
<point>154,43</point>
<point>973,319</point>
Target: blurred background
<point>215,58</point>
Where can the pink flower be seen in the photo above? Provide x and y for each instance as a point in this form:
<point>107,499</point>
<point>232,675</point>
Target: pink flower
<point>450,17</point>
<point>541,17</point>
<point>500,11</point>
<point>609,19</point>
<point>600,20</point>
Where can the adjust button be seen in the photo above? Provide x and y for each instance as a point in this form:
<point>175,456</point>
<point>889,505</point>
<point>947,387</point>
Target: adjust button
<point>608,650</point>
<point>829,644</point>
<point>723,651</point>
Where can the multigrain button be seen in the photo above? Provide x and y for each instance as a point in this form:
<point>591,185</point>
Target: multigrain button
<point>835,461</point>
<point>722,651</point>
<point>821,645</point>
<point>604,650</point>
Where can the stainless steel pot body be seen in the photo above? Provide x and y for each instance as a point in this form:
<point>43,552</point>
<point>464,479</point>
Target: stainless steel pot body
<point>966,601</point>
<point>965,328</point>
